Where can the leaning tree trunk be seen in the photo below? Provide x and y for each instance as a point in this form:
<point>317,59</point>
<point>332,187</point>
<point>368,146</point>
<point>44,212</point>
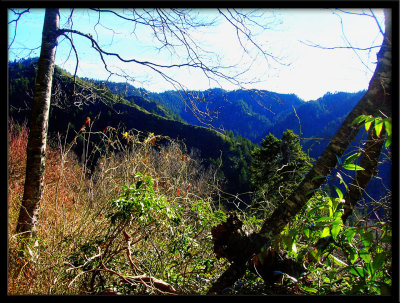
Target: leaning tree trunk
<point>36,147</point>
<point>377,97</point>
<point>369,161</point>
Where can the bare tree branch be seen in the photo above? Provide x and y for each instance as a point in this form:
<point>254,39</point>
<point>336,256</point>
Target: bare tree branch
<point>16,23</point>
<point>312,44</point>
<point>348,44</point>
<point>76,54</point>
<point>377,23</point>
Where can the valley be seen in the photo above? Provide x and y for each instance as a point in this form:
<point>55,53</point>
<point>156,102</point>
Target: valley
<point>221,127</point>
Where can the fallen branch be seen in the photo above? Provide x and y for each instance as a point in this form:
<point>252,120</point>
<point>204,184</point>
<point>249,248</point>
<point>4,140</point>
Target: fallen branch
<point>232,243</point>
<point>148,281</point>
<point>128,240</point>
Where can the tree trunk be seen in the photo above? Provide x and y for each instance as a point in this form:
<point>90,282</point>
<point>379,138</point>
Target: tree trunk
<point>369,161</point>
<point>377,97</point>
<point>36,147</point>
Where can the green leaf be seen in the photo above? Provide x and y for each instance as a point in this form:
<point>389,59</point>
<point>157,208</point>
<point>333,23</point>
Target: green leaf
<point>339,192</point>
<point>315,209</point>
<point>336,229</point>
<point>357,271</point>
<point>337,261</point>
<point>341,179</point>
<point>324,219</point>
<point>388,126</point>
<point>309,289</point>
<point>367,125</point>
<point>359,119</point>
<point>367,239</point>
<point>330,206</point>
<point>365,255</point>
<point>388,141</point>
<point>307,232</point>
<point>350,232</point>
<point>378,261</point>
<point>326,232</point>
<point>353,256</point>
<point>378,127</point>
<point>338,215</point>
<point>352,158</point>
<point>352,167</point>
<point>368,121</point>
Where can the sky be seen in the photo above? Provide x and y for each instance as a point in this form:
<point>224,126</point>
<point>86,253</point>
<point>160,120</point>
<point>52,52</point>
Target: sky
<point>292,67</point>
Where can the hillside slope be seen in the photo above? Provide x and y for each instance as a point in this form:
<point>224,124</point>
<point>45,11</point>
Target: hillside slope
<point>69,110</point>
<point>254,114</point>
<point>246,113</point>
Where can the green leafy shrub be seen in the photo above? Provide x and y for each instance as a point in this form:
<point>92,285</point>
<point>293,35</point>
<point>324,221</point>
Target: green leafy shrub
<point>340,259</point>
<point>140,203</point>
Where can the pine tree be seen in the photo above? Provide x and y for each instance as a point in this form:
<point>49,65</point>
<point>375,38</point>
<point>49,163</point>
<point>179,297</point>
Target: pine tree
<point>278,167</point>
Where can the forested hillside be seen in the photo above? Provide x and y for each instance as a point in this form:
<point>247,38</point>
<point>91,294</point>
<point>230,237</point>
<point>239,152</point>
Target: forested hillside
<point>317,119</point>
<point>240,115</point>
<point>254,114</point>
<point>91,116</point>
<point>118,190</point>
<point>246,113</point>
<point>70,110</point>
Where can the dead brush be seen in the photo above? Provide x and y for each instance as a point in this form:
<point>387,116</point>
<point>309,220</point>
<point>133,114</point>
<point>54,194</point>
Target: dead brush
<point>74,217</point>
<point>38,269</point>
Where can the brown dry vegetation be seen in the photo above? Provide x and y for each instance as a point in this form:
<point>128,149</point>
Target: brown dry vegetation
<point>77,250</point>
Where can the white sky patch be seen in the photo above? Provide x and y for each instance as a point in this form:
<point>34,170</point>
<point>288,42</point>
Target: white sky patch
<point>309,72</point>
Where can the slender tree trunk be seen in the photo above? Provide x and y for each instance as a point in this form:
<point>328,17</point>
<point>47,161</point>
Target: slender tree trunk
<point>36,147</point>
<point>369,161</point>
<point>377,98</point>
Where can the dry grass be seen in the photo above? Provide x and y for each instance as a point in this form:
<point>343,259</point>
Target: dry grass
<point>74,225</point>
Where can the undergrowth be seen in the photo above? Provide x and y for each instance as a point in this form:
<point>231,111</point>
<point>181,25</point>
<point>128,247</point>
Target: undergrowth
<point>139,222</point>
<point>142,215</point>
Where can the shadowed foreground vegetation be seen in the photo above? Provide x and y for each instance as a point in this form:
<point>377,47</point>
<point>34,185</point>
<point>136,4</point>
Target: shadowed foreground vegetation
<point>141,223</point>
<point>145,212</point>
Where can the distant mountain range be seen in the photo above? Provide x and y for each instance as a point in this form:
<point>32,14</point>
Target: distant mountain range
<point>252,114</point>
<point>223,121</point>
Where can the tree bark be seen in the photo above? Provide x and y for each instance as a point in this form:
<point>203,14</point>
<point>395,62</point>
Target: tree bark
<point>369,161</point>
<point>377,98</point>
<point>36,146</point>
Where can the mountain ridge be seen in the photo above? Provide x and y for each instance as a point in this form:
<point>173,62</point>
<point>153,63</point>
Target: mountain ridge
<point>255,114</point>
<point>240,117</point>
<point>108,109</point>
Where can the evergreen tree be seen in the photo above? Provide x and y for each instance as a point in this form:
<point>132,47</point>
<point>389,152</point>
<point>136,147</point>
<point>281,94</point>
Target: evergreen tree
<point>277,168</point>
